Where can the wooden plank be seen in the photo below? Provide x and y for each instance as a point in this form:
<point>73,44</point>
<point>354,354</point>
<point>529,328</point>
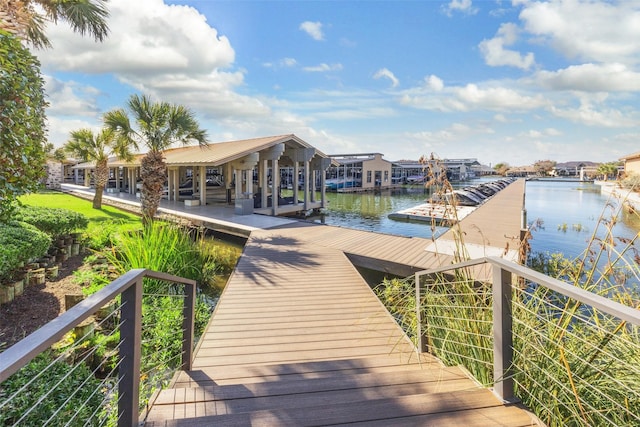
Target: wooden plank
<point>309,370</point>
<point>435,380</point>
<point>299,338</point>
<point>360,411</point>
<point>254,357</point>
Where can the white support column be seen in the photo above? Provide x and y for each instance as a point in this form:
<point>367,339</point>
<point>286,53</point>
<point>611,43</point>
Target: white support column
<point>203,185</point>
<point>323,188</point>
<point>132,180</point>
<point>264,173</point>
<point>296,181</point>
<point>238,174</point>
<point>302,155</point>
<point>228,179</point>
<point>307,178</point>
<point>275,184</point>
<point>272,153</point>
<point>170,174</point>
<point>116,172</point>
<point>320,165</point>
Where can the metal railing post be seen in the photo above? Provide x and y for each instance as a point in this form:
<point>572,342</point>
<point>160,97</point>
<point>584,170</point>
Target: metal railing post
<point>130,354</point>
<point>502,334</point>
<point>188,322</point>
<point>420,332</point>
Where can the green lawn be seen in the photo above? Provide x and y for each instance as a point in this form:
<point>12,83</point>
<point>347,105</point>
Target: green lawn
<point>96,217</point>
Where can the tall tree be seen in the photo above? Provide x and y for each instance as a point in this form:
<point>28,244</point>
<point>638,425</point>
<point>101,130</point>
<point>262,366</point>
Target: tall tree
<point>543,167</point>
<point>608,170</point>
<point>501,168</point>
<point>27,18</point>
<point>159,125</point>
<point>22,123</point>
<point>97,148</point>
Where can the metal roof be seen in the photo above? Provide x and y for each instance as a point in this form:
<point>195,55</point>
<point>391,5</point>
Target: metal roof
<point>214,154</point>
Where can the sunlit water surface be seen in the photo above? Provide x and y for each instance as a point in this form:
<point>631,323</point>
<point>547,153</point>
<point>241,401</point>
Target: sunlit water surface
<point>565,214</point>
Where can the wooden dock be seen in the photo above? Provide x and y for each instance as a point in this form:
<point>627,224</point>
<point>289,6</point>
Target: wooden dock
<point>299,339</point>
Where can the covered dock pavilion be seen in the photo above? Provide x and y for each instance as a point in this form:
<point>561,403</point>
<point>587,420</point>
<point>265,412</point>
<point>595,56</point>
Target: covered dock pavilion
<point>235,172</point>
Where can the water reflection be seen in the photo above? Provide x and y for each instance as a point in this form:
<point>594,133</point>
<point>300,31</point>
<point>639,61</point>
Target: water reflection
<point>567,213</point>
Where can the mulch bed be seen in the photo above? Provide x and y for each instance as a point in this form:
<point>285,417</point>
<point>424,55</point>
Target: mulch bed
<point>39,304</point>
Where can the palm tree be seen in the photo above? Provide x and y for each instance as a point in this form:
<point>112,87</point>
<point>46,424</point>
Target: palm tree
<point>607,170</point>
<point>27,18</point>
<point>89,147</point>
<point>159,125</point>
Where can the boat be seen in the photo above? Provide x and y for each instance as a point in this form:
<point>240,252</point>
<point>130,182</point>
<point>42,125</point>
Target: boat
<point>340,183</point>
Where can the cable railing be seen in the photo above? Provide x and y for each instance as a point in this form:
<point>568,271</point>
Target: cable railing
<point>102,361</point>
<point>570,355</point>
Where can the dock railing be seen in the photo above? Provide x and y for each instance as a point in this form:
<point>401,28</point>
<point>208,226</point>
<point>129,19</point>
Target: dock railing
<point>570,355</point>
<point>96,378</point>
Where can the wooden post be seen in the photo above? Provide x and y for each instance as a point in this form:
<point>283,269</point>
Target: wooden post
<point>420,332</point>
<point>188,321</point>
<point>130,354</point>
<point>502,334</point>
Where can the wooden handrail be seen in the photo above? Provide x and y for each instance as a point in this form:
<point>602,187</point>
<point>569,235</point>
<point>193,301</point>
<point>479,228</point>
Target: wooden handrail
<point>129,286</point>
<point>502,313</point>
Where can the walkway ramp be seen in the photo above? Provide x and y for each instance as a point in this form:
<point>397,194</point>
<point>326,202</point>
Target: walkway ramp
<point>299,339</point>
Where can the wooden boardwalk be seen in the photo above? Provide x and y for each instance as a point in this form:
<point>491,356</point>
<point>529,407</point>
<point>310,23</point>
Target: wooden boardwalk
<point>299,339</point>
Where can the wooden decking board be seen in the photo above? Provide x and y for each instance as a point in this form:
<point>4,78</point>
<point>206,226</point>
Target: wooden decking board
<point>299,338</point>
<point>501,416</point>
<point>359,411</point>
<point>253,357</point>
<point>243,375</point>
<point>339,340</point>
<point>435,380</point>
<point>227,332</point>
<point>319,342</point>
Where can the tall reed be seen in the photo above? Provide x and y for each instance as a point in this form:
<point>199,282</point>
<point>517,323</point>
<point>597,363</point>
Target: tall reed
<point>573,365</point>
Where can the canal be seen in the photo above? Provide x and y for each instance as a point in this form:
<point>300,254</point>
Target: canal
<point>563,215</point>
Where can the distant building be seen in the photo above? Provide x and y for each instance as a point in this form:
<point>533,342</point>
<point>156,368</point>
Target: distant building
<point>412,171</point>
<point>522,171</point>
<point>363,171</point>
<point>575,169</point>
<point>631,163</point>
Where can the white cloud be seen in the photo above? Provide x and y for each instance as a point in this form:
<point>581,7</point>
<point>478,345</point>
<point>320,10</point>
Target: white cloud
<point>383,72</point>
<point>589,30</point>
<point>591,78</point>
<point>283,63</point>
<point>322,68</point>
<point>146,37</point>
<point>501,118</point>
<point>600,117</point>
<point>497,98</point>
<point>452,133</point>
<point>313,29</point>
<point>60,128</point>
<point>463,6</point>
<point>495,53</point>
<point>70,98</point>
<point>434,83</point>
<point>168,52</point>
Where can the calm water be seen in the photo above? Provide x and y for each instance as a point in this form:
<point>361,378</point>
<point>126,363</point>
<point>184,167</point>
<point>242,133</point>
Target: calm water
<point>568,212</point>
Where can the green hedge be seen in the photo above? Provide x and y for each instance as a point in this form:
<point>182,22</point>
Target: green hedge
<point>53,221</point>
<point>20,242</point>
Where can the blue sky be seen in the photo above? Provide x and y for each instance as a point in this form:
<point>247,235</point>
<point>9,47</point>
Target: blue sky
<point>501,81</point>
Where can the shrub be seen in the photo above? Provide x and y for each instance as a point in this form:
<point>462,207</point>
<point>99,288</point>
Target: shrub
<point>161,247</point>
<point>53,221</point>
<point>632,181</point>
<point>20,242</point>
<point>74,397</point>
